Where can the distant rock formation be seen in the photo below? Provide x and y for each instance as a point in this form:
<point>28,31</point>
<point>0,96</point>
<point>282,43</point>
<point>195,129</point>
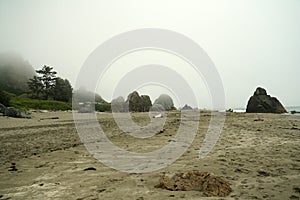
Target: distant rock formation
<point>119,105</point>
<point>166,101</point>
<point>186,107</point>
<point>157,107</point>
<point>261,102</point>
<point>138,103</point>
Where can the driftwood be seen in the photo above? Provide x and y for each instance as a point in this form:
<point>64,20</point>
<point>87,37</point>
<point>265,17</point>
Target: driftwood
<point>45,118</point>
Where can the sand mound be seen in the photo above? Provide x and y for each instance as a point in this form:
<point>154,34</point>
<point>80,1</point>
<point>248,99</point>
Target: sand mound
<point>204,182</point>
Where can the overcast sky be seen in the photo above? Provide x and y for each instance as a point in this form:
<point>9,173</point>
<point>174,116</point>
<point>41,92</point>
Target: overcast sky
<point>252,43</point>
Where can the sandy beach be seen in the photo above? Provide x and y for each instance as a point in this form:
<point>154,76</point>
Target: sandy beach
<point>43,158</point>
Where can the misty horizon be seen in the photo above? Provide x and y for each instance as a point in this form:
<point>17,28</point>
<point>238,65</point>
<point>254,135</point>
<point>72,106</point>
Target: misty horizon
<point>252,44</point>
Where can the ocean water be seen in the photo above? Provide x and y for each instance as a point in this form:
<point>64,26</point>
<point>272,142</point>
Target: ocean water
<point>288,108</point>
<point>291,108</point>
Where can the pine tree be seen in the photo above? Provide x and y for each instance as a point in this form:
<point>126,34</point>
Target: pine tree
<point>62,90</point>
<point>35,86</point>
<point>48,78</point>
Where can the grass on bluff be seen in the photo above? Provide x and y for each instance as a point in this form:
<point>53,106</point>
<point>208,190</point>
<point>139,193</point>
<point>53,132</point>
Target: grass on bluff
<point>35,104</point>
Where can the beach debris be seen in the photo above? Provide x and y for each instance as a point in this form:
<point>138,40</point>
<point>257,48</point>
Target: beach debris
<point>294,197</point>
<point>263,173</point>
<point>261,102</point>
<point>101,190</point>
<point>204,182</point>
<point>13,167</point>
<point>229,110</point>
<point>258,120</point>
<point>297,189</point>
<point>242,170</point>
<point>158,116</point>
<point>90,169</point>
<point>49,118</point>
<point>161,131</point>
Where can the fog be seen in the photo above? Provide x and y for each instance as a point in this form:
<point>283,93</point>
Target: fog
<point>252,43</point>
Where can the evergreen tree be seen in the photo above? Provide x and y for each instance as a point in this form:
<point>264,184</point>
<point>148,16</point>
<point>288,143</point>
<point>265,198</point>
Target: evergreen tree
<point>48,78</point>
<point>62,90</point>
<point>4,98</point>
<point>35,86</point>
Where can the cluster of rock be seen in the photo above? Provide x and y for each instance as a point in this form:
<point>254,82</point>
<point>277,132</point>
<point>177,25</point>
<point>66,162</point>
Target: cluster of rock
<point>204,182</point>
<point>137,103</point>
<point>13,112</point>
<point>261,102</point>
<point>134,103</point>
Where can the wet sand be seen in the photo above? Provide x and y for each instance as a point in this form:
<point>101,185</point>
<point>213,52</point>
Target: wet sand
<point>259,154</point>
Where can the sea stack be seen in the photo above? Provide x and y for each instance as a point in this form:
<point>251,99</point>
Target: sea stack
<point>261,102</point>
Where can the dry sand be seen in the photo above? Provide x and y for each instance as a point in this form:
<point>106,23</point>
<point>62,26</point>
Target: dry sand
<point>259,154</point>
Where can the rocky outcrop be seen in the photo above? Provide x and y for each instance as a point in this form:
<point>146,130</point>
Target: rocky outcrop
<point>204,182</point>
<point>166,101</point>
<point>13,112</point>
<point>186,107</point>
<point>261,102</point>
<point>138,103</point>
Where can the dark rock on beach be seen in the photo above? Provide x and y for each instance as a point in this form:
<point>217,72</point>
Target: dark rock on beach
<point>261,102</point>
<point>90,169</point>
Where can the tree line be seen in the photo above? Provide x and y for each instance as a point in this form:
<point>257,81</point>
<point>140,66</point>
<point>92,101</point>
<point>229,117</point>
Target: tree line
<point>20,83</point>
<point>47,86</point>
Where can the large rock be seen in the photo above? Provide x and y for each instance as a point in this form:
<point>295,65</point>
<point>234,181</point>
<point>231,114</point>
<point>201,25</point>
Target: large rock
<point>119,105</point>
<point>204,182</point>
<point>13,112</point>
<point>166,101</point>
<point>2,109</point>
<point>138,103</point>
<point>261,102</point>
